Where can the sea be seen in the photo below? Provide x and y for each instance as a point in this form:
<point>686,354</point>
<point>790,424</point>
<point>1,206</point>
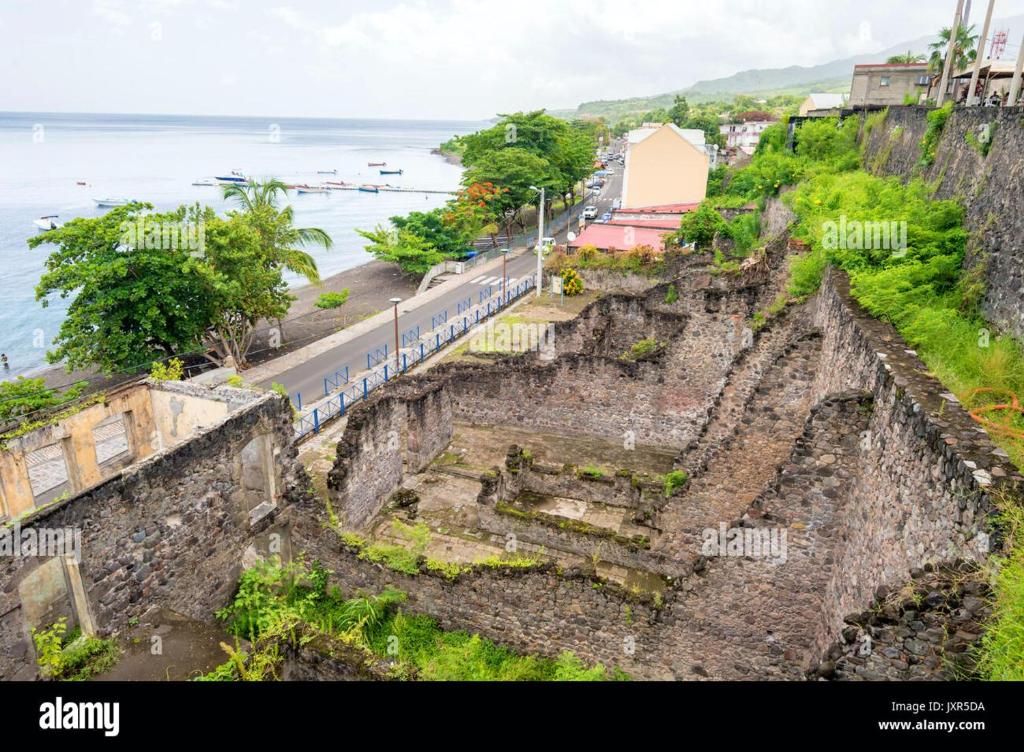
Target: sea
<point>58,163</point>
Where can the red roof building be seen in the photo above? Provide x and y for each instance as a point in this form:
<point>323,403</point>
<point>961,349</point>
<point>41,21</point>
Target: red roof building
<point>620,237</point>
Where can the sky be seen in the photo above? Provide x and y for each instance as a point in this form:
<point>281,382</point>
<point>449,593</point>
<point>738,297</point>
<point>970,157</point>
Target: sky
<point>431,59</point>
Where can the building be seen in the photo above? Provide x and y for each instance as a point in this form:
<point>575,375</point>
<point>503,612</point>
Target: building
<point>665,165</point>
<point>995,77</point>
<point>666,217</point>
<point>885,84</point>
<point>620,237</point>
<point>744,136</point>
<point>820,103</point>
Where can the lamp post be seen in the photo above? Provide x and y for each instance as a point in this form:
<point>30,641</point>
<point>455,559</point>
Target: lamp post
<point>540,238</point>
<point>947,66</point>
<point>504,274</point>
<point>398,355</point>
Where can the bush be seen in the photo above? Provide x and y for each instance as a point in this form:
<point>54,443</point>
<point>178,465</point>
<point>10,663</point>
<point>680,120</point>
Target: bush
<point>930,141</point>
<point>332,299</point>
<point>22,397</point>
<point>572,283</point>
<point>68,656</point>
<point>172,370</point>
<point>700,226</point>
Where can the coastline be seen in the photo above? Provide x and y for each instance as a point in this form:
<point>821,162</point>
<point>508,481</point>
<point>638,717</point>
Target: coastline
<point>371,285</point>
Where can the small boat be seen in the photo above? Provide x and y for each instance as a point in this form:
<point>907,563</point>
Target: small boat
<point>369,189</point>
<point>391,172</point>
<point>111,202</point>
<point>203,182</point>
<point>234,177</point>
<point>376,164</point>
<point>49,222</point>
<point>326,172</point>
<point>80,182</point>
<point>310,189</point>
<point>336,185</point>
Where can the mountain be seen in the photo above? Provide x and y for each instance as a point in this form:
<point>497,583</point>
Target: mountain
<point>795,79</point>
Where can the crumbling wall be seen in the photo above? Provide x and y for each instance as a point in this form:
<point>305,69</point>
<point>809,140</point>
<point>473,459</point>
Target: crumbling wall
<point>169,532</point>
<point>991,188</point>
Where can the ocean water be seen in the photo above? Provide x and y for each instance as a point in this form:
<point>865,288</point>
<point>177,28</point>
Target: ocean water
<point>156,159</point>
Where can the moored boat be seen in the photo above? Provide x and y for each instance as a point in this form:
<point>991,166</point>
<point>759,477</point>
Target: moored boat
<point>111,202</point>
<point>203,182</point>
<point>326,172</point>
<point>369,189</point>
<point>391,172</point>
<point>376,164</point>
<point>310,189</point>
<point>49,222</point>
<point>236,176</point>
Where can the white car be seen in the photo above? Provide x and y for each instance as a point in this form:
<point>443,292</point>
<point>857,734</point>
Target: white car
<point>590,212</point>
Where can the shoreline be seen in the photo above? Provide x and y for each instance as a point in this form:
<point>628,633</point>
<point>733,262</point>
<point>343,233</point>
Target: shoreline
<point>371,285</point>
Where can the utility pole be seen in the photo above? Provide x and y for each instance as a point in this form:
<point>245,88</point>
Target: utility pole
<point>540,241</point>
<point>972,97</point>
<point>398,353</point>
<point>954,32</point>
<point>1017,72</point>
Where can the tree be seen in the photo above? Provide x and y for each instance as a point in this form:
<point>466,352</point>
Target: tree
<point>907,58</point>
<point>701,226</point>
<point>515,170</point>
<point>413,254</point>
<point>964,51</point>
<point>282,241</point>
<point>679,113</point>
<point>22,397</point>
<point>449,239</point>
<point>132,303</point>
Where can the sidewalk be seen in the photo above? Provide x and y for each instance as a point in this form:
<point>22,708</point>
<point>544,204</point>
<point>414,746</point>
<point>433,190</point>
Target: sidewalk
<point>267,372</point>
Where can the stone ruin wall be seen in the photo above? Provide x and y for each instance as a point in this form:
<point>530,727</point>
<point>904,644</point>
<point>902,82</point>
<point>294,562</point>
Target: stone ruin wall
<point>169,532</point>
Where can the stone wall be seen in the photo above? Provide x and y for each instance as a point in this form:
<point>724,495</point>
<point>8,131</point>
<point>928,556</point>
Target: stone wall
<point>169,532</point>
<point>991,189</point>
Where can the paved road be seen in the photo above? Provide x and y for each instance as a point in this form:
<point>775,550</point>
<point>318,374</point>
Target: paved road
<point>307,378</point>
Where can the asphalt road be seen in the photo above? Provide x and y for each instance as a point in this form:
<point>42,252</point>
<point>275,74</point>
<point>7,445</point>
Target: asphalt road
<point>307,378</point>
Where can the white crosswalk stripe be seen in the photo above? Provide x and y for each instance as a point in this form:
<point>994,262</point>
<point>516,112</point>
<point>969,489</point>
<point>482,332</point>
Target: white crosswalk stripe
<point>489,281</point>
<point>477,280</point>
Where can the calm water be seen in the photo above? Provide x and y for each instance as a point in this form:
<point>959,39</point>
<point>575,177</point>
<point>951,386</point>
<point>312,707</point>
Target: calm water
<point>156,158</point>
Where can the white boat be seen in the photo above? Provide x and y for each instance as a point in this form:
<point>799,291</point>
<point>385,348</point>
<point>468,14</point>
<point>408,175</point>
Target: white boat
<point>326,172</point>
<point>312,189</point>
<point>111,202</point>
<point>49,222</point>
<point>204,182</point>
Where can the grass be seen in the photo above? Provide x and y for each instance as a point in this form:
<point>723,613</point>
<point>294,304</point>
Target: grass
<point>1002,645</point>
<point>276,603</point>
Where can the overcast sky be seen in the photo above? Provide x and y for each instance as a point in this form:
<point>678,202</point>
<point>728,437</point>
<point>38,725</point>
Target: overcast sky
<point>411,58</point>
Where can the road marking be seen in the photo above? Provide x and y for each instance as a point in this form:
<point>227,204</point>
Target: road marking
<point>489,281</point>
<point>477,280</point>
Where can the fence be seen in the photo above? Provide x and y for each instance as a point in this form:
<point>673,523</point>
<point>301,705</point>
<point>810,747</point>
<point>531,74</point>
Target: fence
<point>384,369</point>
<point>334,381</point>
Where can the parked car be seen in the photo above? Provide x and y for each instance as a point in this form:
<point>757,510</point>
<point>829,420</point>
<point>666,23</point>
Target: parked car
<point>616,204</point>
<point>606,217</point>
<point>590,212</point>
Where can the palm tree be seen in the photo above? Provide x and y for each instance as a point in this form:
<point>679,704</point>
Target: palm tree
<point>964,51</point>
<point>282,240</point>
<point>908,58</point>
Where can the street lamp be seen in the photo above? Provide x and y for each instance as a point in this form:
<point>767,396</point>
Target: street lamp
<point>398,356</point>
<point>504,274</point>
<point>540,237</point>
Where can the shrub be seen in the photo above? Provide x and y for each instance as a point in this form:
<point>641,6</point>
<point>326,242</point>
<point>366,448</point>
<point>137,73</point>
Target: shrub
<point>22,397</point>
<point>674,481</point>
<point>172,370</point>
<point>671,295</point>
<point>68,656</point>
<point>930,141</point>
<point>332,299</point>
<point>641,349</point>
<point>235,381</point>
<point>572,283</point>
<point>700,226</point>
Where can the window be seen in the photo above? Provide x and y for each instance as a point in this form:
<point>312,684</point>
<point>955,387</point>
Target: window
<point>47,473</point>
<point>884,81</point>
<point>111,440</point>
<point>923,80</point>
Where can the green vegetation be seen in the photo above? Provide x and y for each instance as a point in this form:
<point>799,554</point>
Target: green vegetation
<point>235,381</point>
<point>591,471</point>
<point>147,286</point>
<point>645,347</point>
<point>635,542</point>
<point>572,283</point>
<point>671,294</point>
<point>982,142</point>
<point>1002,645</point>
<point>171,370</point>
<point>930,141</point>
<point>65,655</point>
<point>674,481</point>
<point>332,299</point>
<point>278,603</point>
<point>23,397</point>
<point>641,259</point>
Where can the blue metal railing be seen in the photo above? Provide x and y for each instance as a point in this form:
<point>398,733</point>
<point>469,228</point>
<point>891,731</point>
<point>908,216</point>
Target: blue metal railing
<point>335,380</point>
<point>414,351</point>
<point>410,336</point>
<point>464,305</point>
<point>441,318</point>
<point>379,355</point>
